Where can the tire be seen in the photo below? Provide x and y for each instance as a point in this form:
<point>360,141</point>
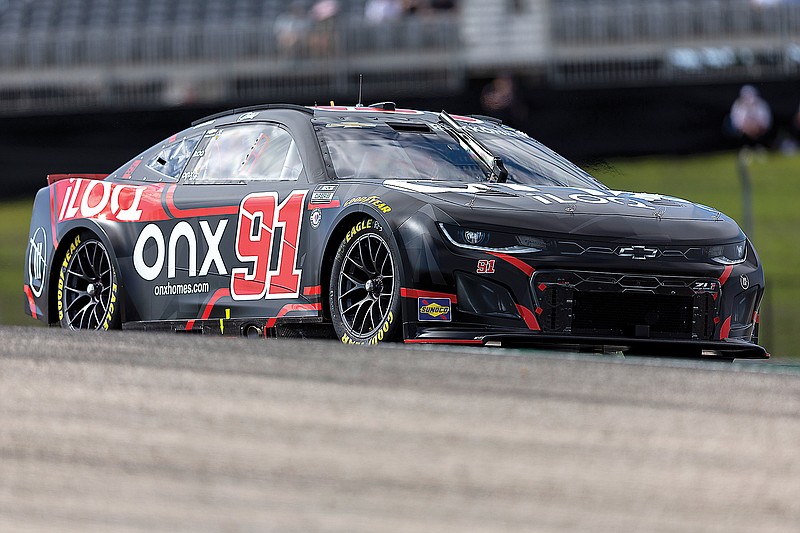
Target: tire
<point>365,287</point>
<point>88,289</point>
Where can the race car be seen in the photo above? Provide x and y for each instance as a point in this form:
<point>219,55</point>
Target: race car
<point>373,224</point>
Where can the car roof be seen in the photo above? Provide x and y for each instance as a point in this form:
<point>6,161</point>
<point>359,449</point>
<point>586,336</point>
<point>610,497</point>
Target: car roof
<point>380,111</point>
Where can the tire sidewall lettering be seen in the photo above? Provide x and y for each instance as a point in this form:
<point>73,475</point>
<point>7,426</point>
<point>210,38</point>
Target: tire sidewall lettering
<point>366,225</point>
<point>111,317</point>
<point>64,266</point>
<point>375,338</point>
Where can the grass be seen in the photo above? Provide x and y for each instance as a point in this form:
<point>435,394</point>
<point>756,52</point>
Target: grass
<point>711,179</point>
<point>14,221</point>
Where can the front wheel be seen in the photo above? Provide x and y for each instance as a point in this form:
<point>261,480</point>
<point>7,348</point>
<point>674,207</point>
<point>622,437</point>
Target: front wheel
<point>365,287</point>
<point>88,287</point>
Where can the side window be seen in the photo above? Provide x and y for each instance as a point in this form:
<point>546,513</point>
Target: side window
<point>172,158</point>
<point>250,152</point>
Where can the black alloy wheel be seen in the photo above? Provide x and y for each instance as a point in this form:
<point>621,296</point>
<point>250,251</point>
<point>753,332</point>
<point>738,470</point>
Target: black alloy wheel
<point>365,289</point>
<point>88,287</point>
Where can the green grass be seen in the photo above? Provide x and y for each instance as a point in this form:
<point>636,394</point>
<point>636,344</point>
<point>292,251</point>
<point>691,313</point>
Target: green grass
<point>15,218</point>
<point>712,180</point>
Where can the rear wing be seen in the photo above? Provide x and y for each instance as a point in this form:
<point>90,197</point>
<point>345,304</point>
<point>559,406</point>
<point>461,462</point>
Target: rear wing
<point>52,178</point>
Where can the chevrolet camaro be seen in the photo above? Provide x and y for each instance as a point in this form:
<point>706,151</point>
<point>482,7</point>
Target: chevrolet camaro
<point>373,224</point>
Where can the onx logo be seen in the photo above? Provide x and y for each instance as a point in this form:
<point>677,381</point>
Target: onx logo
<point>166,250</point>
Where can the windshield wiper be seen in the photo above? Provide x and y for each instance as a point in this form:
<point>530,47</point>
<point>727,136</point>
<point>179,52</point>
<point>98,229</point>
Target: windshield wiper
<point>492,166</point>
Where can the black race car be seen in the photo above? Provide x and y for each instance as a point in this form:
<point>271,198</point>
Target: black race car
<point>380,224</point>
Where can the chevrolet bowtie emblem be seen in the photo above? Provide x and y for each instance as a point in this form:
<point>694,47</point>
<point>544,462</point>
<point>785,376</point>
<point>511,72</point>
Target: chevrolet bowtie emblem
<point>637,252</point>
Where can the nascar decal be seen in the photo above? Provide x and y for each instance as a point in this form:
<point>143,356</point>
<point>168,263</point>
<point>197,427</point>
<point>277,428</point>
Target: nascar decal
<point>434,309</point>
<point>323,194</point>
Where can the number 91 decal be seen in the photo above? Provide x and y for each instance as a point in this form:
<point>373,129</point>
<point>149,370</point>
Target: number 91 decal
<point>258,240</point>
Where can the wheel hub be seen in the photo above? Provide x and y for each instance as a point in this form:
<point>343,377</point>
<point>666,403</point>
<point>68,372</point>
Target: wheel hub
<point>374,287</point>
<point>91,290</point>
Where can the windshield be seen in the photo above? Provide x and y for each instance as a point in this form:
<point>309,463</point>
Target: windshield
<point>530,162</point>
<point>425,151</point>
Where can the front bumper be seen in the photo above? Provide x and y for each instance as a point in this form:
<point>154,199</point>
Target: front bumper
<point>723,350</point>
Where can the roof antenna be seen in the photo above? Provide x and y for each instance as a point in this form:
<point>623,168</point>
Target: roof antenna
<point>360,82</point>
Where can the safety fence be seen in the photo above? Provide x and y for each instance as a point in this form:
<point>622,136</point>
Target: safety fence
<point>587,43</point>
<point>118,68</point>
<point>645,41</point>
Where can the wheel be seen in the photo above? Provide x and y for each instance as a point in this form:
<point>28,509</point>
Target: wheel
<point>365,287</point>
<point>88,287</point>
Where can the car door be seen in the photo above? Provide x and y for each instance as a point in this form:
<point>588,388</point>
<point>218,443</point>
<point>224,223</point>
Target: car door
<point>231,246</point>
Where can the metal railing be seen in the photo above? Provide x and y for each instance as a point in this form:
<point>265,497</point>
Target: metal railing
<point>588,42</point>
<point>167,66</point>
<point>641,41</point>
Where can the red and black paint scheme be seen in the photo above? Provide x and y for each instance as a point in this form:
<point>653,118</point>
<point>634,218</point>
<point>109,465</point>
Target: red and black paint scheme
<point>376,224</point>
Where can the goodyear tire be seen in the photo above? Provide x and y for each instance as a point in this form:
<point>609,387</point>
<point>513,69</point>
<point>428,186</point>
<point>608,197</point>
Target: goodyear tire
<point>87,286</point>
<point>365,287</point>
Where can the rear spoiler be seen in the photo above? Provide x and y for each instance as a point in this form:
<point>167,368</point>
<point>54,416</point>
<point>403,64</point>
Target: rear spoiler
<point>52,178</point>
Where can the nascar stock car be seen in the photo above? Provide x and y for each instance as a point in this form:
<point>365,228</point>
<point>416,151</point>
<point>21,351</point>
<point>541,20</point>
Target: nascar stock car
<point>375,224</point>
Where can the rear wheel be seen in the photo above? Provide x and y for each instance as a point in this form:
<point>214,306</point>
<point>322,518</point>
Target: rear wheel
<point>365,287</point>
<point>88,287</point>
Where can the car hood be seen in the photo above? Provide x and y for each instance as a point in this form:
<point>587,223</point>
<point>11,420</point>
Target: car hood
<point>577,211</point>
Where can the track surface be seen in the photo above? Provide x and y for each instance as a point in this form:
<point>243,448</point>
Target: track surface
<point>133,432</point>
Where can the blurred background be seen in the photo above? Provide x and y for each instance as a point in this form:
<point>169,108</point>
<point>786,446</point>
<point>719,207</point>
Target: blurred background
<point>696,98</point>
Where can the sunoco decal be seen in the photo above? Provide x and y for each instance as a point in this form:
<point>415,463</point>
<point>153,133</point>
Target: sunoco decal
<point>434,309</point>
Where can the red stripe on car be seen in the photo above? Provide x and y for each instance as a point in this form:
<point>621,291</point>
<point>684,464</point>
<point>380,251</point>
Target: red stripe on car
<point>334,203</point>
<point>520,264</point>
<point>220,293</point>
<point>31,302</point>
<point>312,291</point>
<point>725,330</point>
<point>529,318</point>
<point>413,293</point>
<point>288,308</point>
<point>725,275</point>
<point>444,341</point>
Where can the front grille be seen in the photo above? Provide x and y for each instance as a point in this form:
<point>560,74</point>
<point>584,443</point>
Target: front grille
<point>629,314</point>
<point>626,305</point>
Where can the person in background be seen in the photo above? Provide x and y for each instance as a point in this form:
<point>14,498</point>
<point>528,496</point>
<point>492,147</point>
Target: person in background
<point>323,40</point>
<point>291,30</point>
<point>750,118</point>
<point>380,11</point>
<point>500,99</point>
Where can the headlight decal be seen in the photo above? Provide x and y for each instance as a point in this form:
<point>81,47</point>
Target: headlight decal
<point>491,241</point>
<point>727,254</point>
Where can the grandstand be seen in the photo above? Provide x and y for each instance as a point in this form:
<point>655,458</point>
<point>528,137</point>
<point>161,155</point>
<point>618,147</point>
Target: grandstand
<point>68,55</point>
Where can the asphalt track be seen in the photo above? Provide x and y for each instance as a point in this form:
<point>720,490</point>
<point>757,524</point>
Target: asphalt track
<point>137,432</point>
